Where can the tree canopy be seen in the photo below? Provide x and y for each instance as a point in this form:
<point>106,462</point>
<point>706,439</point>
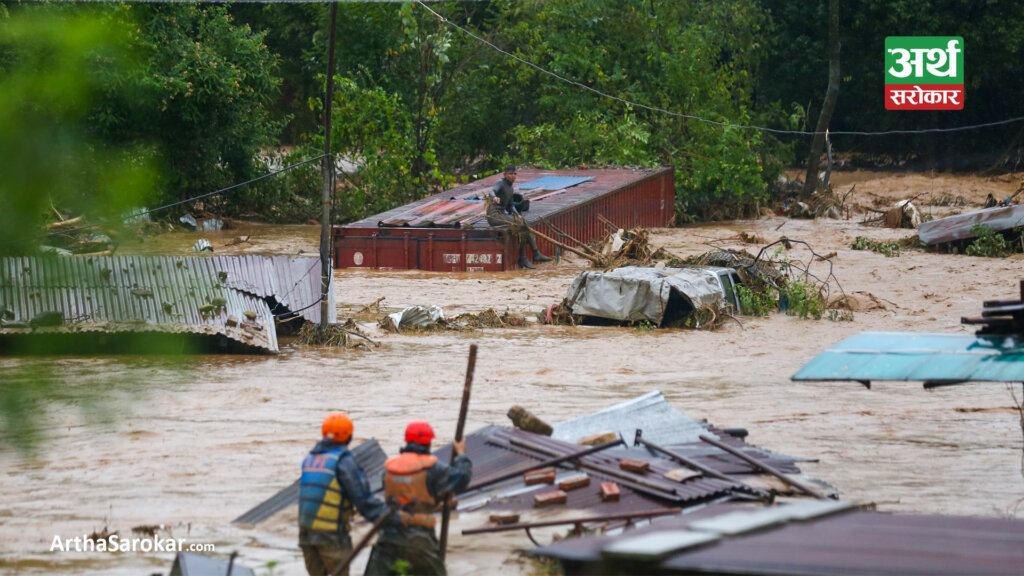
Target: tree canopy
<point>214,91</point>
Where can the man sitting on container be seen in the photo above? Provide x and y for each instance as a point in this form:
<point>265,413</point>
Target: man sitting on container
<point>502,207</point>
<point>417,482</point>
<point>332,483</point>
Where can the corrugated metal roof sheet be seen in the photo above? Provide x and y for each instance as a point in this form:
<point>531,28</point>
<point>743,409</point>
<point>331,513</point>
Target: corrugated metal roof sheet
<point>958,226</point>
<point>939,358</point>
<point>660,421</point>
<point>853,543</point>
<point>159,294</point>
<point>496,451</point>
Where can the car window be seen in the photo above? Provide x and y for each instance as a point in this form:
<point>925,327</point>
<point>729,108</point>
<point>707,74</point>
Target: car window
<point>730,291</point>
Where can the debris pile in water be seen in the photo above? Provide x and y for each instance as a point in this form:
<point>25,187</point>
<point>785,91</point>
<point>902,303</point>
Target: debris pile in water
<point>421,321</point>
<point>345,335</point>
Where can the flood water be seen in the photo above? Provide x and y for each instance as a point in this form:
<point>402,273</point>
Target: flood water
<point>193,442</point>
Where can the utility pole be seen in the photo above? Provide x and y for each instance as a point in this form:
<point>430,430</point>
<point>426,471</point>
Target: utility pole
<point>326,269</point>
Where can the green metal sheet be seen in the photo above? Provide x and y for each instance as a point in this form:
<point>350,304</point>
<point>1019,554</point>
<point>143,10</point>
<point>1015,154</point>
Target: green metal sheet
<point>936,358</point>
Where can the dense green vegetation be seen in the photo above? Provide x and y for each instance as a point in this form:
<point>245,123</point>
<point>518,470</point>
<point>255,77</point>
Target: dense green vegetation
<point>215,90</point>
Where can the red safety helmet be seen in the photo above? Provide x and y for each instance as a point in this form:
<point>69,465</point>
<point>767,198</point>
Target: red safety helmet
<point>419,432</point>
<point>337,427</point>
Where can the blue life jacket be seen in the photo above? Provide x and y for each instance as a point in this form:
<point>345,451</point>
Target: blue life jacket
<point>322,506</point>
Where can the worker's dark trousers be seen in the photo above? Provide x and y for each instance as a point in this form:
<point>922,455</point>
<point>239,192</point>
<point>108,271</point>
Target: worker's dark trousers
<point>416,554</point>
<point>324,559</point>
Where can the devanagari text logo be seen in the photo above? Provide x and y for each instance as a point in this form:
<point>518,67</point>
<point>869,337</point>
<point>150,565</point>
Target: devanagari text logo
<point>924,73</point>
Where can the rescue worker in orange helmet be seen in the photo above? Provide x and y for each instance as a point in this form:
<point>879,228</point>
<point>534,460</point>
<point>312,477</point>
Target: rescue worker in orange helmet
<point>417,482</point>
<point>332,484</point>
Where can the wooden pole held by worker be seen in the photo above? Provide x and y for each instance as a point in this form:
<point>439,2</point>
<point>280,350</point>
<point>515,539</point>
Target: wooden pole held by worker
<point>365,540</point>
<point>459,428</point>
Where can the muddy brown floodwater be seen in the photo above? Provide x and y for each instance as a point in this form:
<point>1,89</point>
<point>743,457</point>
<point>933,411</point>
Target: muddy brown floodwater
<point>193,442</point>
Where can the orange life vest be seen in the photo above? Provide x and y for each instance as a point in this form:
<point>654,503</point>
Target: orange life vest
<point>405,480</point>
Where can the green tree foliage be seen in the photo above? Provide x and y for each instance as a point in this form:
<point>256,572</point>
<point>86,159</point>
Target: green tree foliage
<point>54,70</point>
<point>988,243</point>
<point>375,130</point>
<point>461,108</point>
<point>690,58</point>
<point>206,87</point>
<point>795,71</point>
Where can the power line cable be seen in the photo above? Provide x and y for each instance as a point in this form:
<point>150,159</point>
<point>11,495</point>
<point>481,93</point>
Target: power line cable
<point>194,198</point>
<point>706,120</point>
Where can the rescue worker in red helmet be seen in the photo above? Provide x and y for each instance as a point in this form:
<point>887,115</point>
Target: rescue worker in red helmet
<point>417,482</point>
<point>332,484</point>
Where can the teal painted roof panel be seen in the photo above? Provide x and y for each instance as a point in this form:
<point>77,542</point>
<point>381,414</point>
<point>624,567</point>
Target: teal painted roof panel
<point>552,182</point>
<point>907,356</point>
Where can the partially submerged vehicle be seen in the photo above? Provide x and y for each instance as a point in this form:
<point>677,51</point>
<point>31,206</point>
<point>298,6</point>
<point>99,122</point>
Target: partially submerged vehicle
<point>661,296</point>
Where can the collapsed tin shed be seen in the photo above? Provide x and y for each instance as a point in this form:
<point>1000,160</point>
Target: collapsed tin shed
<point>449,232</point>
<point>56,305</point>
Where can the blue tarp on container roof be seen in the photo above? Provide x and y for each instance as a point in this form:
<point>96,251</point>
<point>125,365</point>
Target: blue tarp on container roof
<point>554,182</point>
<point>937,358</point>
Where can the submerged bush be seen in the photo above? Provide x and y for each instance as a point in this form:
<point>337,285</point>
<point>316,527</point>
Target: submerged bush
<point>757,302</point>
<point>889,249</point>
<point>988,243</point>
<point>803,300</point>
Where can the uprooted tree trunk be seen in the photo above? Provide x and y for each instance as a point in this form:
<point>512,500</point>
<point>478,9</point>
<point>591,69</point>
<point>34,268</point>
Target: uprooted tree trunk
<point>829,106</point>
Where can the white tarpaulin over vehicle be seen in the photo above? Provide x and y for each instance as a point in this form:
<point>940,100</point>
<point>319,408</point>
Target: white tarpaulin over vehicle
<point>637,293</point>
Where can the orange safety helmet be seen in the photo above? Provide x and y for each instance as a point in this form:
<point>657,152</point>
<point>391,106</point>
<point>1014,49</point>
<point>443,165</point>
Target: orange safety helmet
<point>419,432</point>
<point>337,427</point>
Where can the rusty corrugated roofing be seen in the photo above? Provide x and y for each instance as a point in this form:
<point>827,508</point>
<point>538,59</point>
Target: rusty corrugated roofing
<point>159,294</point>
<point>463,207</point>
<point>496,451</point>
<point>851,543</point>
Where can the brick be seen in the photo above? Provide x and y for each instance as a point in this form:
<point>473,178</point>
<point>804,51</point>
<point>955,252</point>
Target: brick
<point>541,476</point>
<point>504,518</point>
<point>549,499</point>
<point>575,482</point>
<point>638,466</point>
<point>597,439</point>
<point>610,492</point>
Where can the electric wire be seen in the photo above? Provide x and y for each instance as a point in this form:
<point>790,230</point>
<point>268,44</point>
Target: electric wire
<point>194,198</point>
<point>706,120</point>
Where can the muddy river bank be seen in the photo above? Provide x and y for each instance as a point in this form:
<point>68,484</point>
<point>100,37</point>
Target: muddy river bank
<point>192,442</point>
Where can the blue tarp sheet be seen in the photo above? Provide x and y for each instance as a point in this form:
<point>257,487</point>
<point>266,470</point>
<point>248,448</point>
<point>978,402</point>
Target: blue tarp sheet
<point>554,182</point>
<point>919,357</point>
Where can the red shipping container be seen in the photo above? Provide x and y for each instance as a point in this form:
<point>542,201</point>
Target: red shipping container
<point>448,231</point>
